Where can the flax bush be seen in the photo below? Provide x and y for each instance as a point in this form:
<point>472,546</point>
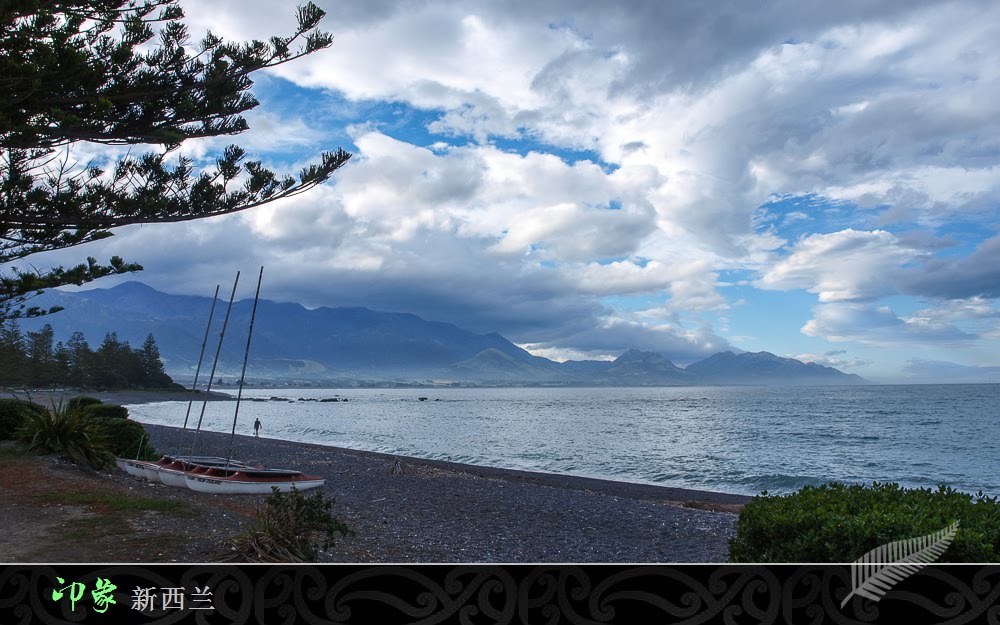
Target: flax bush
<point>70,432</point>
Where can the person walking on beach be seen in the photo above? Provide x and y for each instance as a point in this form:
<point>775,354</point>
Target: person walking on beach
<point>256,427</point>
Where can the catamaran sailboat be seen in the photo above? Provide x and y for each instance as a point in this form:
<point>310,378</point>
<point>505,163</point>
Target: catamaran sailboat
<point>211,474</point>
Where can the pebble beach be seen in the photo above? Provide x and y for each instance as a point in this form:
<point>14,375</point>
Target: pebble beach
<point>414,510</point>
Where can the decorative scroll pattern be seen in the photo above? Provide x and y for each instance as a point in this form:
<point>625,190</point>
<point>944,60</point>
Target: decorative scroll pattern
<point>543,595</point>
<point>665,594</point>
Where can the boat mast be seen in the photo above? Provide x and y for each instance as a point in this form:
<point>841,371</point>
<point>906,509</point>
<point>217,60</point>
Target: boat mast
<point>218,350</point>
<point>246,356</point>
<point>201,356</point>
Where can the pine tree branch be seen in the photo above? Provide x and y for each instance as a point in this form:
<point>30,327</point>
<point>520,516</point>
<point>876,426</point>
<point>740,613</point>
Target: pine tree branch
<point>70,72</point>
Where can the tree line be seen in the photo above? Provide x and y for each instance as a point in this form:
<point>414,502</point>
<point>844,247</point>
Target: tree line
<point>35,360</point>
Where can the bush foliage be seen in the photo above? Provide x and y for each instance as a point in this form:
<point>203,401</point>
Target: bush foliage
<point>70,432</point>
<point>287,528</point>
<point>82,401</point>
<point>840,523</point>
<point>108,410</point>
<point>12,415</point>
<point>82,429</point>
<point>125,438</point>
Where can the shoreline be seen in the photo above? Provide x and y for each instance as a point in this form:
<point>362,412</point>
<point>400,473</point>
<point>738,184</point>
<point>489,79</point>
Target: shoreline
<point>406,509</point>
<point>729,502</point>
<point>635,490</point>
<point>414,510</point>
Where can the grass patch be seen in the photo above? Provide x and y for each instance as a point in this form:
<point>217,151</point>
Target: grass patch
<point>106,526</point>
<point>118,503</point>
<point>113,535</point>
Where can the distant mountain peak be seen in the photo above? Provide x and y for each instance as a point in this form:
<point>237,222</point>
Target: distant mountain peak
<point>638,365</point>
<point>129,288</point>
<point>133,285</point>
<point>360,344</point>
<point>767,368</point>
<point>637,355</point>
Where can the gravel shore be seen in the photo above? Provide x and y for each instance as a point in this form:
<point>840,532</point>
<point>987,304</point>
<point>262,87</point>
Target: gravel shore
<point>414,510</point>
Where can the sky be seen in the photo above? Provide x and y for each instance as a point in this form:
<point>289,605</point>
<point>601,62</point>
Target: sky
<point>818,180</point>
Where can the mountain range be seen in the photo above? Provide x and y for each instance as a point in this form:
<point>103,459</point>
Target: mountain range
<point>349,345</point>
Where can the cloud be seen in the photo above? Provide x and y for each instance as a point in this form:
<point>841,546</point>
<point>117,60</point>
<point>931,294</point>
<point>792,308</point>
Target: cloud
<point>869,325</point>
<point>845,266</point>
<point>974,276</point>
<point>940,372</point>
<point>571,232</point>
<point>585,150</point>
<point>678,343</point>
<point>976,315</point>
<point>731,105</point>
<point>691,287</point>
<point>833,358</point>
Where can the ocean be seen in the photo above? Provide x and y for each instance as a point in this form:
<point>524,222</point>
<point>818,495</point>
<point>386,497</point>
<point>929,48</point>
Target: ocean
<point>729,439</point>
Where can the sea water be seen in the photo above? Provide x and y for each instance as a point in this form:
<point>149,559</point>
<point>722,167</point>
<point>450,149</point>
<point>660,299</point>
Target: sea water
<point>730,439</point>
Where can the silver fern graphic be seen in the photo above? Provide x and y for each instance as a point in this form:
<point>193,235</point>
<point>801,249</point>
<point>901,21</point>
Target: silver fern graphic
<point>876,572</point>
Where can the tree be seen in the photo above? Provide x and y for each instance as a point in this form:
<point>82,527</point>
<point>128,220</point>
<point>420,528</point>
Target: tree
<point>115,363</point>
<point>41,359</point>
<point>81,361</point>
<point>32,360</point>
<point>61,359</point>
<point>153,374</point>
<point>74,71</point>
<point>12,355</point>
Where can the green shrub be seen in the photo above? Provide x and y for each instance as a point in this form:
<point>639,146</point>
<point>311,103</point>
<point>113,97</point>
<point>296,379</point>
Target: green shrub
<point>12,414</point>
<point>840,523</point>
<point>125,438</point>
<point>108,410</point>
<point>286,529</point>
<point>82,401</point>
<point>70,432</point>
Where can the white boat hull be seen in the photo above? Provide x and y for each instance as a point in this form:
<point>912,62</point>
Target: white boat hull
<point>172,470</point>
<point>134,467</point>
<point>152,473</point>
<point>173,477</point>
<point>235,486</point>
<point>219,476</point>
